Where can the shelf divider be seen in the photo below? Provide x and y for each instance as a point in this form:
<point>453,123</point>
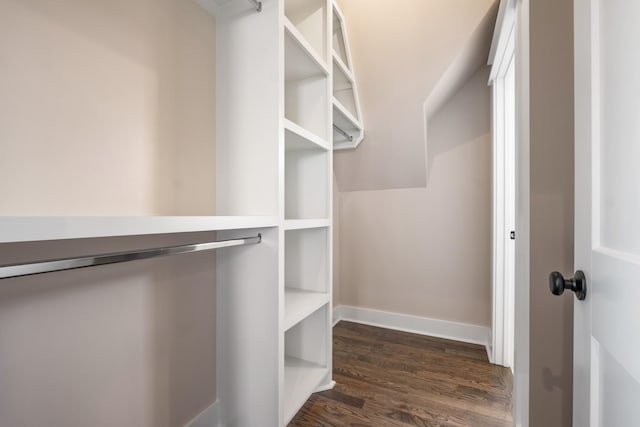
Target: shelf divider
<point>303,138</point>
<point>305,224</point>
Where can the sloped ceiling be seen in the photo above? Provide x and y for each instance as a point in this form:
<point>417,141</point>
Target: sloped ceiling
<point>410,57</point>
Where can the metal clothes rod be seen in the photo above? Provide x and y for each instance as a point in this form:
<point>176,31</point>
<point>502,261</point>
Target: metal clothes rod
<point>257,4</point>
<point>343,133</point>
<point>47,266</point>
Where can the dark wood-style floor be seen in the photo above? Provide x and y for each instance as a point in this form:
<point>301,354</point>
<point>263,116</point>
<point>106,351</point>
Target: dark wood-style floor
<point>390,378</point>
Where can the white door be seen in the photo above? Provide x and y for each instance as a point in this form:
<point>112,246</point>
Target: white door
<point>607,228</point>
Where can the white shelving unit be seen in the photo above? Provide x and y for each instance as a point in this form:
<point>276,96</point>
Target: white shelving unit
<point>306,231</point>
<point>288,121</point>
<point>281,84</point>
<point>306,84</point>
<point>348,130</point>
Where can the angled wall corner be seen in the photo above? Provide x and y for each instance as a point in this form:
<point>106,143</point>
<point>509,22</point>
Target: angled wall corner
<point>471,58</point>
<point>401,61</point>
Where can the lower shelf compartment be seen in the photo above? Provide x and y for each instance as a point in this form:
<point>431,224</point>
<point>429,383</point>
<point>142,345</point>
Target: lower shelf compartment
<point>300,304</point>
<point>301,378</point>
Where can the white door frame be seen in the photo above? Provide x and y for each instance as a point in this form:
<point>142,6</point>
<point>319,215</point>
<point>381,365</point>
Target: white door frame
<point>515,14</point>
<point>586,126</point>
<point>503,212</point>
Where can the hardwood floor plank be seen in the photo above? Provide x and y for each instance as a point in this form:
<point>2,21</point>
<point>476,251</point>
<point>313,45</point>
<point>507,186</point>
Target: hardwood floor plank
<point>397,379</point>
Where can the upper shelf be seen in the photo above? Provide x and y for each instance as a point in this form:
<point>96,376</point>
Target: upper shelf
<point>347,121</point>
<point>309,18</point>
<point>344,89</point>
<point>26,229</point>
<point>339,42</point>
<point>301,61</point>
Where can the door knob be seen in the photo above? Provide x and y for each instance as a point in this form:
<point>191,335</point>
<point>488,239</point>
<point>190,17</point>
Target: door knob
<point>577,284</point>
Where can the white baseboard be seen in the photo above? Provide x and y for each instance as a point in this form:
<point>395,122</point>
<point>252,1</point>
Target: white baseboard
<point>463,332</point>
<point>337,314</point>
<point>210,417</point>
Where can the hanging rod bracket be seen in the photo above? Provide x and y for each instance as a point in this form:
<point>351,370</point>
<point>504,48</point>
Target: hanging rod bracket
<point>257,4</point>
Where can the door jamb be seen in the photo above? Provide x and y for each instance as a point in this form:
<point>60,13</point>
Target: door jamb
<point>503,49</point>
<point>517,11</point>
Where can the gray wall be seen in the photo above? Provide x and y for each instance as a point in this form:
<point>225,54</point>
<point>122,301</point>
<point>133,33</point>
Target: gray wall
<point>129,345</point>
<point>551,210</point>
<point>107,108</point>
<point>426,251</point>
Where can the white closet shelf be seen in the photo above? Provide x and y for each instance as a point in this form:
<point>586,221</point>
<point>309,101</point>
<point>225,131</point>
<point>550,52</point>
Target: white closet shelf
<point>299,138</point>
<point>301,378</point>
<point>299,304</point>
<point>301,61</point>
<point>303,224</point>
<point>343,68</point>
<point>25,228</point>
<point>345,121</point>
<point>343,118</point>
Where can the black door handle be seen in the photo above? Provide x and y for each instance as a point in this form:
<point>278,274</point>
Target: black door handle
<point>577,284</point>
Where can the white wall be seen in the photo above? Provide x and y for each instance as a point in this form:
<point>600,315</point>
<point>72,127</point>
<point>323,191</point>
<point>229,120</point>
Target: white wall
<point>107,108</point>
<point>426,251</point>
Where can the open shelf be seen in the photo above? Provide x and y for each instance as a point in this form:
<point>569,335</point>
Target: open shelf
<point>339,45</point>
<point>306,359</point>
<point>303,224</point>
<point>306,85</point>
<point>309,18</point>
<point>301,378</point>
<point>306,177</point>
<point>343,90</point>
<point>307,259</point>
<point>298,138</point>
<point>303,61</point>
<point>346,108</point>
<point>299,304</point>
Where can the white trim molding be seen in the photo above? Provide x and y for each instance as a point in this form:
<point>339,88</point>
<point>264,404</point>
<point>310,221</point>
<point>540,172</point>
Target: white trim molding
<point>337,314</point>
<point>210,417</point>
<point>463,332</point>
<point>504,24</point>
<point>502,80</point>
